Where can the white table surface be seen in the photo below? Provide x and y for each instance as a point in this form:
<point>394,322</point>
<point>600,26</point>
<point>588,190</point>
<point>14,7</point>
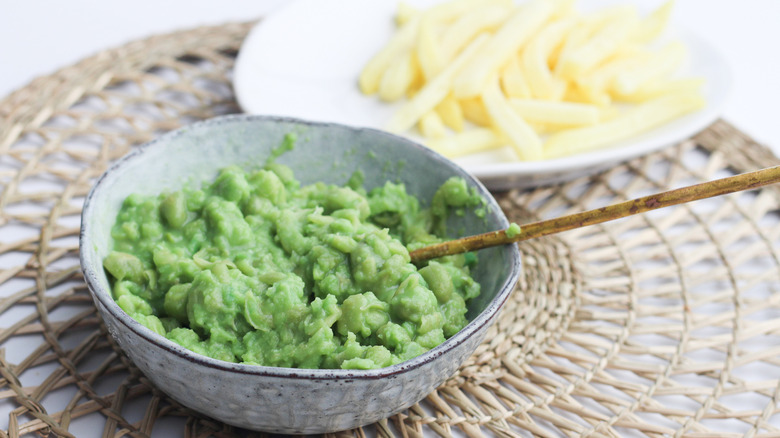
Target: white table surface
<point>39,36</point>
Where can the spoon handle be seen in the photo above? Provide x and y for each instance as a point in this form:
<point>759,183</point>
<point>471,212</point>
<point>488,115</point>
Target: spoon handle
<point>709,189</point>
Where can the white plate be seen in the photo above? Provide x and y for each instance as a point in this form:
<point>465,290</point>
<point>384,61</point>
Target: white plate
<point>303,61</point>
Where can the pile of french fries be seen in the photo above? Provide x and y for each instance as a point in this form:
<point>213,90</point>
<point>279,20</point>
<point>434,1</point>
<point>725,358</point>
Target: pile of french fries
<point>540,76</point>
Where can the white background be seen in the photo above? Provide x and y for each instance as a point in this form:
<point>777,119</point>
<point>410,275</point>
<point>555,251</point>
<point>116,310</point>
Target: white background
<point>37,37</point>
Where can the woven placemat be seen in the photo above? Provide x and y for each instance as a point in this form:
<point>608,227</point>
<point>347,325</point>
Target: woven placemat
<point>665,324</point>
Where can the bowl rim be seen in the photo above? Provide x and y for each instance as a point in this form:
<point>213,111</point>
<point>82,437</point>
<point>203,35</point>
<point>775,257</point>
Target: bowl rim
<point>104,297</point>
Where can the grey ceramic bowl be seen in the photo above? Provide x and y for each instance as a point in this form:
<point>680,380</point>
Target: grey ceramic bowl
<point>272,399</point>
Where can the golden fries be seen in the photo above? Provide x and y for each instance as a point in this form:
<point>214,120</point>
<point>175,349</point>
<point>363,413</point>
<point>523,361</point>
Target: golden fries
<point>401,42</point>
<point>556,113</point>
<point>434,91</point>
<point>467,143</point>
<point>429,53</point>
<point>431,126</point>
<point>513,80</point>
<point>599,47</point>
<point>524,140</point>
<point>404,13</point>
<point>397,79</point>
<point>659,88</point>
<point>652,26</point>
<point>658,66</point>
<point>451,113</point>
<point>507,40</point>
<point>634,121</point>
<point>540,79</point>
<point>482,19</point>
<point>475,112</point>
<point>539,76</point>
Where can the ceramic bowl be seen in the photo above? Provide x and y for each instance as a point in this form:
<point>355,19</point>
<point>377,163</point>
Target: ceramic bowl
<point>286,400</point>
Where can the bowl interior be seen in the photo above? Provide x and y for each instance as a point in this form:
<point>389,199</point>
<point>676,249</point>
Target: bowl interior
<point>323,152</point>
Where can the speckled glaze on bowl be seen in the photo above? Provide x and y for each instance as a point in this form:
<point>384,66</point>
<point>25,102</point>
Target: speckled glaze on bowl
<point>287,400</point>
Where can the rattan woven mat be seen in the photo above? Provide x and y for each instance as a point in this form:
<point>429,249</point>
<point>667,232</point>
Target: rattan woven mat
<point>666,324</point>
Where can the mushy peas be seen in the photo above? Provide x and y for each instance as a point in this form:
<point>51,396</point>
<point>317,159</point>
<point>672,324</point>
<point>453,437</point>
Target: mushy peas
<point>256,268</point>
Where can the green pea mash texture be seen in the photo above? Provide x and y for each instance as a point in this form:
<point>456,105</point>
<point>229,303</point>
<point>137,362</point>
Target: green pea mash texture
<point>257,269</point>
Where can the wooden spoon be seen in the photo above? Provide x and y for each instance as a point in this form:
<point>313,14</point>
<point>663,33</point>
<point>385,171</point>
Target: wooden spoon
<point>737,183</point>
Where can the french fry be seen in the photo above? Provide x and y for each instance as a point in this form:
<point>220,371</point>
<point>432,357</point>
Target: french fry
<point>598,48</point>
<point>608,113</point>
<point>659,88</point>
<point>451,113</point>
<point>451,11</point>
<point>507,41</point>
<point>434,91</point>
<point>404,13</point>
<point>523,139</point>
<point>563,8</point>
<point>658,66</point>
<point>429,53</point>
<point>599,81</point>
<point>626,50</point>
<point>555,113</point>
<point>654,24</point>
<point>639,119</point>
<point>545,128</point>
<point>513,80</point>
<point>431,125</point>
<point>372,73</point>
<point>410,20</point>
<point>417,79</point>
<point>519,72</point>
<point>475,112</point>
<point>467,143</point>
<point>463,30</point>
<point>534,60</point>
<point>598,19</point>
<point>397,79</point>
<point>581,33</point>
<point>574,39</point>
<point>594,96</point>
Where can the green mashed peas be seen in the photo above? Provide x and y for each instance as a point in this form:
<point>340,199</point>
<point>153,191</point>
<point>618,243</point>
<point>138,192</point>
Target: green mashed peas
<point>256,268</point>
